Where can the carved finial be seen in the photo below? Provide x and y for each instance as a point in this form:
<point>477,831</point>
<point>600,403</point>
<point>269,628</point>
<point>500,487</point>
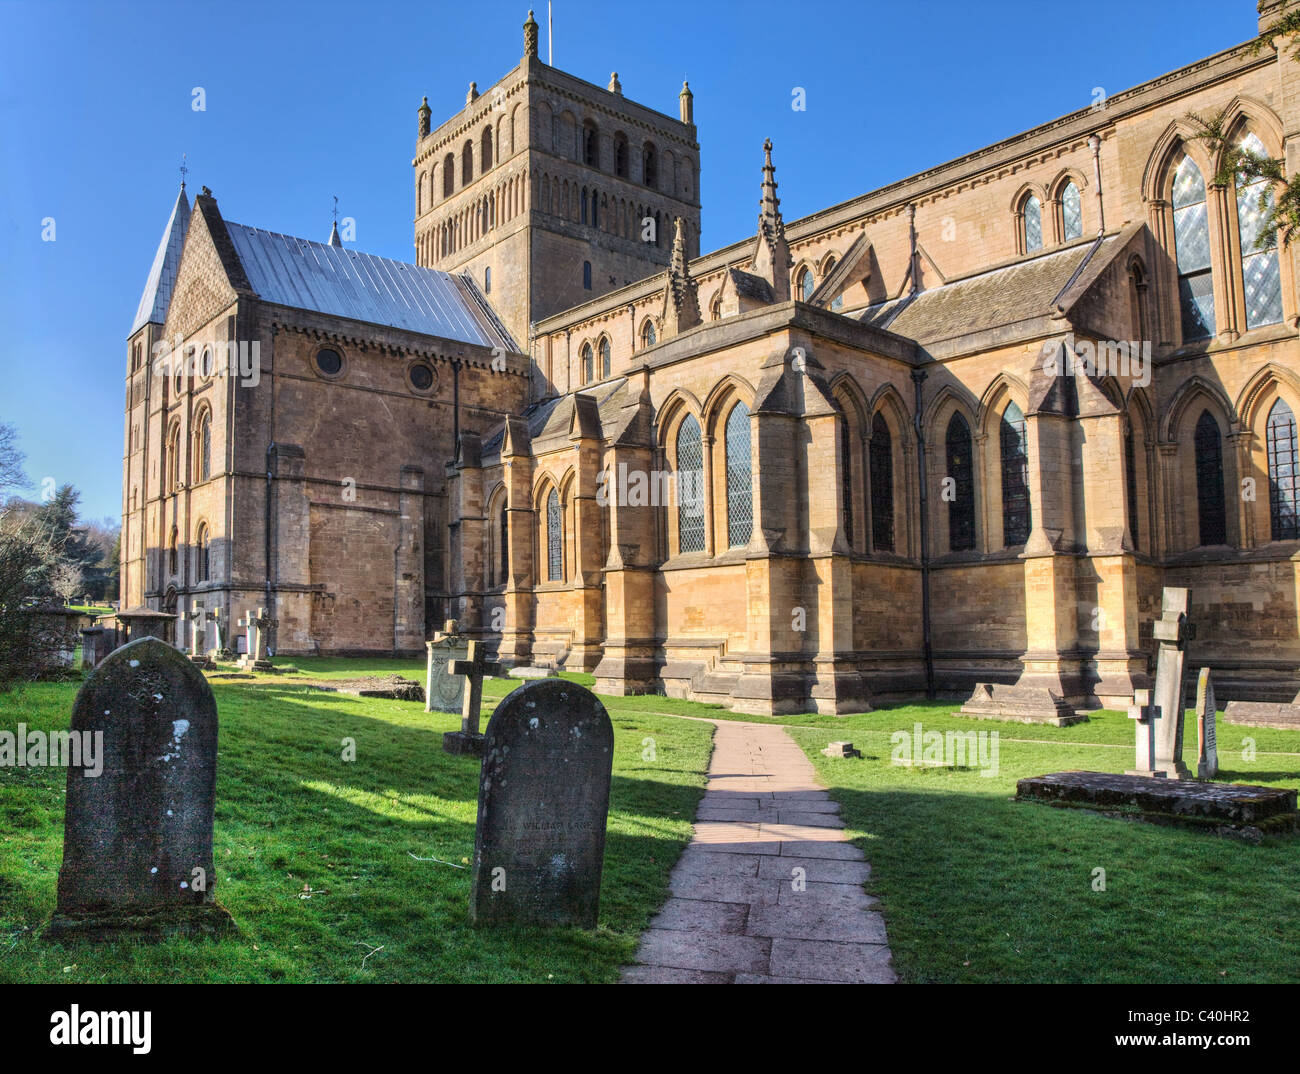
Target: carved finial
<point>615,86</point>
<point>472,95</point>
<point>530,36</point>
<point>425,113</point>
<point>686,103</point>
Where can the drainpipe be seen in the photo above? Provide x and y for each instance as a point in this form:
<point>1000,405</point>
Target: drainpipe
<point>1094,143</point>
<point>455,406</point>
<point>270,449</point>
<point>918,378</point>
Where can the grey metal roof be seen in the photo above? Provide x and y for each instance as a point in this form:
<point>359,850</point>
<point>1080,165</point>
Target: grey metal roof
<point>330,279</point>
<point>158,290</point>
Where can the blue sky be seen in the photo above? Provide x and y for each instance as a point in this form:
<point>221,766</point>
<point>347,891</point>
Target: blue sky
<point>308,101</point>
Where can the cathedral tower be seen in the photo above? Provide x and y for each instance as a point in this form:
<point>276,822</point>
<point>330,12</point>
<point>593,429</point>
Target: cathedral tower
<point>550,191</point>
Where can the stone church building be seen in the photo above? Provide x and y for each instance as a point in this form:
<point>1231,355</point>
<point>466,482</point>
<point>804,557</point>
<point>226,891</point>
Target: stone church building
<point>963,427</point>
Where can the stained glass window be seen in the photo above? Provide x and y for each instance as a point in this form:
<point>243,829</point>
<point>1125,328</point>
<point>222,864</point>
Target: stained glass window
<point>1072,212</point>
<point>1261,282</point>
<point>882,486</point>
<point>961,506</point>
<point>588,365</point>
<point>554,538</point>
<point>1033,225</point>
<point>807,284</point>
<point>1282,473</point>
<point>1211,512</point>
<point>846,477</point>
<point>604,358</point>
<point>204,555</point>
<point>648,334</point>
<point>1131,485</point>
<point>1192,251</point>
<point>690,487</point>
<point>1015,478</point>
<point>740,490</point>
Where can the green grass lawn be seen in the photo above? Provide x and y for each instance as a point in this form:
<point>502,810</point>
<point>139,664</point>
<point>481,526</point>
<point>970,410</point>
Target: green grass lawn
<point>316,857</point>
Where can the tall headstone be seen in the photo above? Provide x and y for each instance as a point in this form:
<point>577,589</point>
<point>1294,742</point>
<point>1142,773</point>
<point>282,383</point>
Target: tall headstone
<point>475,665</point>
<point>257,624</point>
<point>445,692</point>
<point>1171,631</point>
<point>543,802</point>
<point>137,838</point>
<point>1144,728</point>
<point>198,637</point>
<point>1207,750</point>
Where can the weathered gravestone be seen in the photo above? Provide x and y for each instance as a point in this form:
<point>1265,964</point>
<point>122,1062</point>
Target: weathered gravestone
<point>469,739</point>
<point>258,624</point>
<point>198,634</point>
<point>1207,751</point>
<point>1172,631</point>
<point>445,692</point>
<point>543,801</point>
<point>137,838</point>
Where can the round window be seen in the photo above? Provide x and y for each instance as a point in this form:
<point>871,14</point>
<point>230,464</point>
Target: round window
<point>421,378</point>
<point>329,361</point>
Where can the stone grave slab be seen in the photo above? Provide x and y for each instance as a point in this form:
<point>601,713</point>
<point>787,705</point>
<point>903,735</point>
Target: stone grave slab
<point>539,844</point>
<point>1020,704</point>
<point>137,846</point>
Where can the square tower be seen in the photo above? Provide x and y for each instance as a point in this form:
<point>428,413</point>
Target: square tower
<point>551,191</point>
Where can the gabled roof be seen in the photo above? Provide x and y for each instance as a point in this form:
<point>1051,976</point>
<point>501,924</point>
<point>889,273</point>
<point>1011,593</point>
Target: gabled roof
<point>158,289</point>
<point>323,278</point>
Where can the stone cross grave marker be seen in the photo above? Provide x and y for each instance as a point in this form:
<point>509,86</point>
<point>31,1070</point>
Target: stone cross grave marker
<point>543,803</point>
<point>137,838</point>
<point>469,739</point>
<point>1145,730</point>
<point>1172,631</point>
<point>195,617</point>
<point>443,691</point>
<point>257,625</point>
<point>1207,750</point>
<point>214,617</point>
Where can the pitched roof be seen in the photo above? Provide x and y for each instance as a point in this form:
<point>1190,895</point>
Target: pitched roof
<point>162,276</point>
<point>323,278</point>
<point>1025,290</point>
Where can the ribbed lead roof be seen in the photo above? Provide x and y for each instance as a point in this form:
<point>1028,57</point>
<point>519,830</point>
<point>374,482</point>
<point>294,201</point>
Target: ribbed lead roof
<point>158,289</point>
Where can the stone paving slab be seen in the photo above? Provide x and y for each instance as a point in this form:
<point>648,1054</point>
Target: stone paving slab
<point>769,890</point>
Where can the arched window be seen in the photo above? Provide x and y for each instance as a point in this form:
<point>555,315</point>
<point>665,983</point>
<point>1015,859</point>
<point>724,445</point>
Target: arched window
<point>620,155</point>
<point>554,538</point>
<point>501,565</point>
<point>590,145</point>
<point>837,303</point>
<point>1131,485</point>
<point>203,448</point>
<point>467,164</point>
<point>448,175</point>
<point>882,486</point>
<point>1071,212</point>
<point>690,486</point>
<point>648,333</point>
<point>588,365</point>
<point>715,307</point>
<point>584,204</point>
<point>740,487</point>
<point>807,284</point>
<point>487,279</point>
<point>202,554</point>
<point>604,357</point>
<point>174,553</point>
<point>1192,252</point>
<point>961,507</point>
<point>1033,227</point>
<point>586,275</point>
<point>846,477</point>
<point>173,461</point>
<point>1211,511</point>
<point>1282,473</point>
<point>650,165</point>
<point>1261,283</point>
<point>486,156</point>
<point>1015,478</point>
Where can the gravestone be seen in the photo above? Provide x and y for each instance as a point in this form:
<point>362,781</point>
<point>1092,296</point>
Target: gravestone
<point>1145,730</point>
<point>198,635</point>
<point>94,647</point>
<point>258,625</point>
<point>469,739</point>
<point>543,802</point>
<point>1207,750</point>
<point>137,838</point>
<point>445,692</point>
<point>1171,632</point>
<point>219,651</point>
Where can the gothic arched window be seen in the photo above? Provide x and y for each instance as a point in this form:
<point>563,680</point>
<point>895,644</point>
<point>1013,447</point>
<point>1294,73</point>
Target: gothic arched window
<point>740,489</point>
<point>846,477</point>
<point>588,366</point>
<point>203,448</point>
<point>554,538</point>
<point>1261,283</point>
<point>1211,512</point>
<point>1131,484</point>
<point>1033,226</point>
<point>690,486</point>
<point>604,357</point>
<point>202,554</point>
<point>1282,473</point>
<point>648,333</point>
<point>174,552</point>
<point>807,284</point>
<point>961,505</point>
<point>1015,477</point>
<point>882,486</point>
<point>173,461</point>
<point>1071,213</point>
<point>1192,252</point>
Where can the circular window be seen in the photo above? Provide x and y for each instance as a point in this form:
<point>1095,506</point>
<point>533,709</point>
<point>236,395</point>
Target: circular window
<point>206,368</point>
<point>421,377</point>
<point>329,362</point>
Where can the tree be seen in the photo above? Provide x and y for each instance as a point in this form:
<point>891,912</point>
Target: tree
<point>28,562</point>
<point>12,475</point>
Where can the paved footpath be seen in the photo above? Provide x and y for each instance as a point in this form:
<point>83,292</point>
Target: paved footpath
<point>735,914</point>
